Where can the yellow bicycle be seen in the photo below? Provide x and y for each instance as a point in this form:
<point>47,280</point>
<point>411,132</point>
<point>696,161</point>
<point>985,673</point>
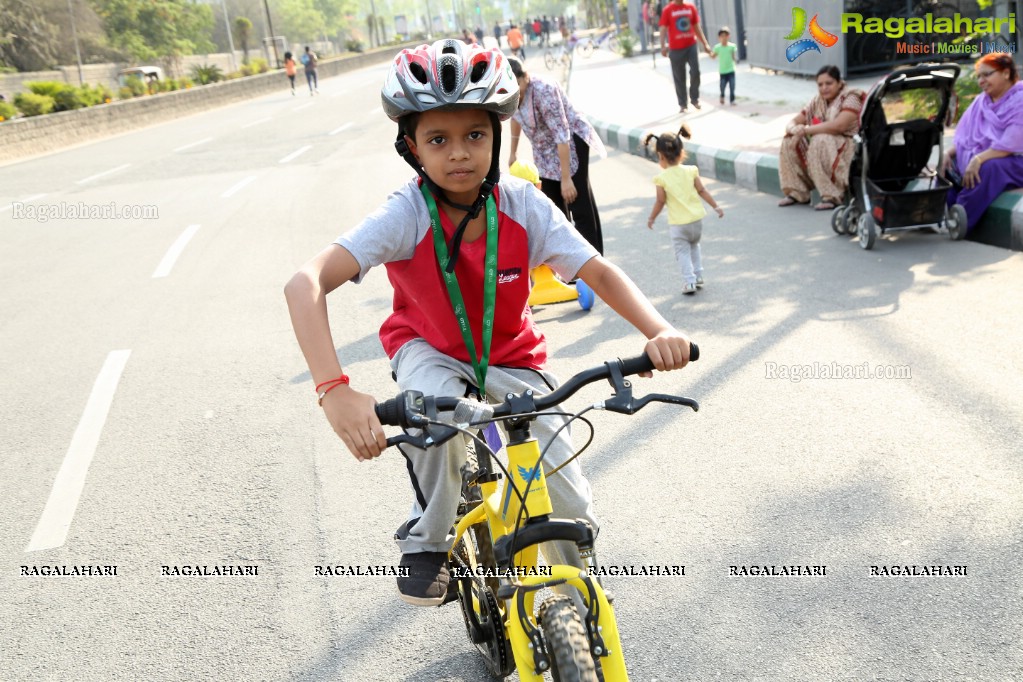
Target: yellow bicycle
<point>500,526</point>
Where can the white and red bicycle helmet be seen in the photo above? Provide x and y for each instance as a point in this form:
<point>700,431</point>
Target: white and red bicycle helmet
<point>450,75</point>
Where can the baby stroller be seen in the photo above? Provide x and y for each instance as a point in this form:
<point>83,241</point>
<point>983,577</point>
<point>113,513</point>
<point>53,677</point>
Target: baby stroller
<point>890,185</point>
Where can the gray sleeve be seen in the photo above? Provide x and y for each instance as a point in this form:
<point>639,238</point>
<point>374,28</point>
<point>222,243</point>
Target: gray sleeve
<point>552,239</point>
<point>389,233</point>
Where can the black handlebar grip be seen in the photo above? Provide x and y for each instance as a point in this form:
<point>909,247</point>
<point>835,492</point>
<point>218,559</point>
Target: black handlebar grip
<point>389,412</point>
<point>642,363</point>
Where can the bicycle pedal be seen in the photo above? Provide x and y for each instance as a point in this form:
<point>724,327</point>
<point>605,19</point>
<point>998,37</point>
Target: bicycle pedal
<point>452,594</point>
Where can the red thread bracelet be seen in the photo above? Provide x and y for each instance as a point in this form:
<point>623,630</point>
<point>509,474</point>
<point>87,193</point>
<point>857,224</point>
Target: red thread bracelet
<point>330,386</point>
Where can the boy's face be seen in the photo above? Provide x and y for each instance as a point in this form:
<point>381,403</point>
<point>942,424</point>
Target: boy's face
<point>723,38</point>
<point>455,149</point>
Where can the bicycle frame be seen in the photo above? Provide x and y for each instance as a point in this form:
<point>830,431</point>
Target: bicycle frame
<point>500,509</point>
<point>514,545</point>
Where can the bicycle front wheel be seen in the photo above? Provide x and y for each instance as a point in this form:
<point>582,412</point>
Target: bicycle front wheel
<point>613,45</point>
<point>585,47</point>
<point>549,60</point>
<point>567,644</point>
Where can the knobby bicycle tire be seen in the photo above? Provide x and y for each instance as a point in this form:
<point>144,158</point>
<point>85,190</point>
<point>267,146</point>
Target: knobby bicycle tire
<point>567,645</point>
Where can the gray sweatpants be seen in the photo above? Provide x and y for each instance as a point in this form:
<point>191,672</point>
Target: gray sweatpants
<point>686,241</point>
<point>434,473</point>
<point>679,59</point>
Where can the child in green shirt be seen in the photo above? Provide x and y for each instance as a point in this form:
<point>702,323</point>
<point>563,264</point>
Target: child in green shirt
<point>727,55</point>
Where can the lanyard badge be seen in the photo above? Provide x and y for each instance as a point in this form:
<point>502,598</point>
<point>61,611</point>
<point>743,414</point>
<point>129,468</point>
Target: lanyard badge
<point>480,361</point>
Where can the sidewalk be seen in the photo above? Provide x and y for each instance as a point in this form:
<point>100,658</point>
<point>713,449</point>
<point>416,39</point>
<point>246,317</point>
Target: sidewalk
<point>626,99</point>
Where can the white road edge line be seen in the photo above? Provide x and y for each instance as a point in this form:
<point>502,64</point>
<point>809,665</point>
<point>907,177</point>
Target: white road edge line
<point>171,257</point>
<point>100,175</point>
<point>295,154</point>
<point>54,524</point>
<point>256,123</point>
<point>8,207</point>
<point>304,106</point>
<point>193,144</point>
<point>335,131</point>
<point>237,187</point>
<point>338,94</point>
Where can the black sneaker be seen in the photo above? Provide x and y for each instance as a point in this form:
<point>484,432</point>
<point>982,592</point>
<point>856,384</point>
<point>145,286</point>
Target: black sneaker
<point>427,581</point>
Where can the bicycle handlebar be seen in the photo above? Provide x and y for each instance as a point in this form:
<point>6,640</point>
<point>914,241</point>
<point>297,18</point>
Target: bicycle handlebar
<point>411,409</point>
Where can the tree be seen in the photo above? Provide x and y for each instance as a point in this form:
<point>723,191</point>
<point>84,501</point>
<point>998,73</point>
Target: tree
<point>28,41</point>
<point>243,31</point>
<point>299,19</point>
<point>155,29</point>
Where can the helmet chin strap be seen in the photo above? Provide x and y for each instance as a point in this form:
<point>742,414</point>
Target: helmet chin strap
<point>486,187</point>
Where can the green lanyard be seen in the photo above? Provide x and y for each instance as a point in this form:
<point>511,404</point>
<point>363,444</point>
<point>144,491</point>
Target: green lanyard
<point>455,293</point>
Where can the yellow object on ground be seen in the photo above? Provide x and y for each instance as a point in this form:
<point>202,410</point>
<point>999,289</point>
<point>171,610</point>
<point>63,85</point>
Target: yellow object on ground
<point>547,288</point>
<point>526,170</point>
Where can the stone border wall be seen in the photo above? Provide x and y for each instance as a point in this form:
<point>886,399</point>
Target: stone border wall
<point>24,137</point>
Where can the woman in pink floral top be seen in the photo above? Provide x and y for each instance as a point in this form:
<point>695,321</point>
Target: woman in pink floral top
<point>562,141</point>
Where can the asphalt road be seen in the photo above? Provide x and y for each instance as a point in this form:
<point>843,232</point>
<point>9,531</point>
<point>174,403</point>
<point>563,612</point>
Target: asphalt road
<point>155,361</point>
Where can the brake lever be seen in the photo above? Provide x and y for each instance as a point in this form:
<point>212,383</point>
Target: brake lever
<point>422,412</point>
<point>626,404</point>
<point>414,441</point>
<point>665,398</point>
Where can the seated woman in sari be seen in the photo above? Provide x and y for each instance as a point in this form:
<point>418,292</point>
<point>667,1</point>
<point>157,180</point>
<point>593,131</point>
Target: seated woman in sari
<point>818,146</point>
<point>985,158</point>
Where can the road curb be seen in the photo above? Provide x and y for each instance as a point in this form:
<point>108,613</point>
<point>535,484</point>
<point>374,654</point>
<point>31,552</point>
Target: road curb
<point>1002,224</point>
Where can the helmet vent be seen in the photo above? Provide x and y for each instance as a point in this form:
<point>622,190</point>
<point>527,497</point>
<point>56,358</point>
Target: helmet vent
<point>478,69</point>
<point>418,72</point>
<point>448,77</point>
<point>449,47</point>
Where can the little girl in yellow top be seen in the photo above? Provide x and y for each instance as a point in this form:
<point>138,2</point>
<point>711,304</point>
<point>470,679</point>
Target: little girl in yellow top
<point>680,188</point>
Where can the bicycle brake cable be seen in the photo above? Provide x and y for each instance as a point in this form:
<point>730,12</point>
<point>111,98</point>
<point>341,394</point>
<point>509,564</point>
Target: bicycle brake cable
<point>581,450</point>
<point>479,440</point>
<point>543,453</point>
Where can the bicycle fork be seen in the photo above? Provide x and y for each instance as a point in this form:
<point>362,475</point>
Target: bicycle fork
<point>528,649</point>
<point>531,657</point>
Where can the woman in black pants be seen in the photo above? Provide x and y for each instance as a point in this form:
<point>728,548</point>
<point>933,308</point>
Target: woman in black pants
<point>562,141</point>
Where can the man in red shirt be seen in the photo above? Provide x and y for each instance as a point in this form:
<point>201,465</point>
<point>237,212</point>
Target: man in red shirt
<point>680,29</point>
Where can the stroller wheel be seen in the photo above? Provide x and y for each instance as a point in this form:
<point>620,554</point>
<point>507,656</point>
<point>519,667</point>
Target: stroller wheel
<point>837,219</point>
<point>850,220</point>
<point>955,221</point>
<point>867,231</point>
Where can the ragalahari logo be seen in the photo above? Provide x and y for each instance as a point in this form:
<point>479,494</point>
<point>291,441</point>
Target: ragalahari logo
<point>817,35</point>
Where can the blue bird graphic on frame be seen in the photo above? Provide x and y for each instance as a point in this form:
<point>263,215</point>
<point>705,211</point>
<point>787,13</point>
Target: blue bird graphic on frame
<point>528,475</point>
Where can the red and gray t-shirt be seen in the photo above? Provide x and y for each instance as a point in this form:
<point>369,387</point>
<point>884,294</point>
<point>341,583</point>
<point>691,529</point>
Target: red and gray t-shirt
<point>531,231</point>
<point>680,21</point>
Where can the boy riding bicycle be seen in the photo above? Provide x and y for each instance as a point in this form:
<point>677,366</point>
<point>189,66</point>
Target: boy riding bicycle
<point>458,243</point>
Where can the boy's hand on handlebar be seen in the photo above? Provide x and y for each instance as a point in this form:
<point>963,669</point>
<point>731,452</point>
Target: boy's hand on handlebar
<point>354,420</point>
<point>668,350</point>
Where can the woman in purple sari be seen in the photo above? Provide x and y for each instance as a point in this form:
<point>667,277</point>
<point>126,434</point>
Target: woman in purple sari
<point>988,139</point>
